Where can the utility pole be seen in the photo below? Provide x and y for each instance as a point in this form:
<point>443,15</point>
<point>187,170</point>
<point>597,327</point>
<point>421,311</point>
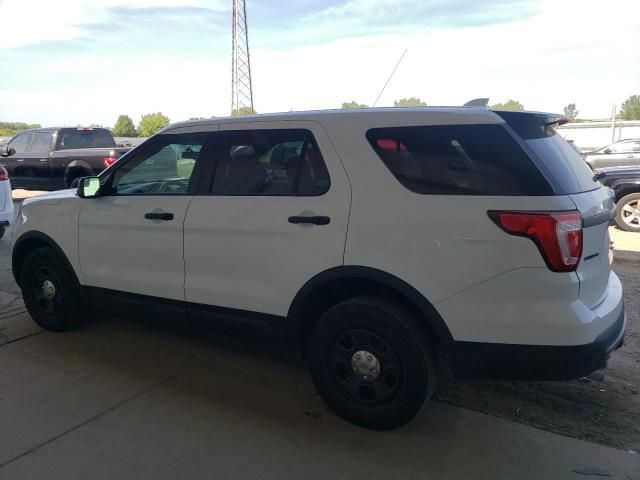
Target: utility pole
<point>613,124</point>
<point>241,87</point>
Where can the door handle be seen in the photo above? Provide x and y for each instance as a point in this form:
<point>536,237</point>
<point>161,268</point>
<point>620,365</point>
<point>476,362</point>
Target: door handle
<point>315,220</point>
<point>158,216</point>
<point>19,159</point>
<point>629,156</point>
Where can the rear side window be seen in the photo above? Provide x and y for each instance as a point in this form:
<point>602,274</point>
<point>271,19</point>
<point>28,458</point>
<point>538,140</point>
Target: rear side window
<point>561,162</point>
<point>270,162</point>
<point>79,138</point>
<point>458,160</point>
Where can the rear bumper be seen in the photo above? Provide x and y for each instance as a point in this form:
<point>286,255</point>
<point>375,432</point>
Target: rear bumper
<point>494,361</point>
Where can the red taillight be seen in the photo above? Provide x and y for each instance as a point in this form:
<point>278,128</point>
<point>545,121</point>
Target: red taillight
<point>4,175</point>
<point>558,235</point>
<point>108,161</point>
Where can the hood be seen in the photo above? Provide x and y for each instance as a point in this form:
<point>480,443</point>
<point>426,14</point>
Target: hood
<point>619,171</point>
<point>51,198</point>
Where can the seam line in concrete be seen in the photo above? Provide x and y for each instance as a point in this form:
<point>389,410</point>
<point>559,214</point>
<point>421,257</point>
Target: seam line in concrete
<point>89,420</point>
<point>14,340</point>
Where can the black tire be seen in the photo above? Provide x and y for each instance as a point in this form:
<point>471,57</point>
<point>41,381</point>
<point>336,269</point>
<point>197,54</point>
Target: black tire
<point>407,367</point>
<point>58,309</point>
<point>624,207</point>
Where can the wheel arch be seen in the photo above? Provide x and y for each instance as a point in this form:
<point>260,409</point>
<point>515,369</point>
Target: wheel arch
<point>29,241</point>
<point>337,284</point>
<point>77,166</point>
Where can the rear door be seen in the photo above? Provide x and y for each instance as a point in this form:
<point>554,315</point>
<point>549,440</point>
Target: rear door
<point>274,215</point>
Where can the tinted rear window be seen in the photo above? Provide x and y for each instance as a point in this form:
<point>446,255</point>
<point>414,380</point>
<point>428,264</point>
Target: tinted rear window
<point>73,138</point>
<point>458,160</point>
<point>561,163</point>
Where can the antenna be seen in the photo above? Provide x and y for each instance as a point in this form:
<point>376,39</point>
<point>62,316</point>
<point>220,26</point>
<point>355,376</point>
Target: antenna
<point>389,79</point>
<point>241,88</point>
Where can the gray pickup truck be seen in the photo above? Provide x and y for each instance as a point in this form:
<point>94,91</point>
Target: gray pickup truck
<point>54,158</point>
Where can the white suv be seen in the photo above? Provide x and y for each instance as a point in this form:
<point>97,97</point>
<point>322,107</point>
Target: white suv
<point>377,244</point>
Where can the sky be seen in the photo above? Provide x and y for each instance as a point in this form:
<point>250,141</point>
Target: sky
<point>71,62</point>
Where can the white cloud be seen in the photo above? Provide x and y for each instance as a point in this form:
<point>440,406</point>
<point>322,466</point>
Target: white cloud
<point>580,51</point>
<point>28,22</point>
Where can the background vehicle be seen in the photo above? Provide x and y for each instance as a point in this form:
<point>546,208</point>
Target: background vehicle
<point>52,158</point>
<point>6,202</point>
<point>625,183</point>
<point>461,244</point>
<point>618,154</point>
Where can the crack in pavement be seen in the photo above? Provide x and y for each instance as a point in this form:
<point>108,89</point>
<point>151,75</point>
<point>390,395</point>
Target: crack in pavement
<point>95,417</point>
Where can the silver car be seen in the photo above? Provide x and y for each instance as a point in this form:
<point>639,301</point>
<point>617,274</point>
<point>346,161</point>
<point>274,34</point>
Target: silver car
<point>624,153</point>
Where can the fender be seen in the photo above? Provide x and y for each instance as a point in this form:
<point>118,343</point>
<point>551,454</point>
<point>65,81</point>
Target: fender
<point>431,315</point>
<point>78,163</point>
<point>626,185</point>
<point>39,239</point>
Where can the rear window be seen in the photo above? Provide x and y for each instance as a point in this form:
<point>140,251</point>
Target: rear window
<point>560,162</point>
<point>75,138</point>
<point>458,160</point>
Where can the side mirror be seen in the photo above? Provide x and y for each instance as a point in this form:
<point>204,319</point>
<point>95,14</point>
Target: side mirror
<point>89,187</point>
<point>6,150</point>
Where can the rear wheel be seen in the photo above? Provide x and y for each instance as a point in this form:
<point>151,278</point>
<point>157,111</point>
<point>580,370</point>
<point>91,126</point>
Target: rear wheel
<point>49,291</point>
<point>628,213</point>
<point>372,363</point>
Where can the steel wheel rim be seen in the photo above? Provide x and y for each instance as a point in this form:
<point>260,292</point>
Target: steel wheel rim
<point>631,213</point>
<point>373,381</point>
<point>45,287</point>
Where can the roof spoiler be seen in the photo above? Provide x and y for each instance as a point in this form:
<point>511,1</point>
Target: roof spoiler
<point>477,102</point>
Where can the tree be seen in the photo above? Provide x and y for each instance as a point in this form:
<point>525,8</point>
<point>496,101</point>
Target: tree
<point>631,108</point>
<point>237,112</point>
<point>124,127</point>
<point>508,105</point>
<point>570,111</point>
<point>354,104</point>
<point>409,102</point>
<point>152,123</point>
<point>9,129</point>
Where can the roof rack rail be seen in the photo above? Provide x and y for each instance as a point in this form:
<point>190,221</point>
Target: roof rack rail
<point>477,102</point>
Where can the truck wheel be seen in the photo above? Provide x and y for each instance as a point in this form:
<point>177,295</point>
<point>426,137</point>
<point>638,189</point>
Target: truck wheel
<point>372,363</point>
<point>49,291</point>
<point>628,212</point>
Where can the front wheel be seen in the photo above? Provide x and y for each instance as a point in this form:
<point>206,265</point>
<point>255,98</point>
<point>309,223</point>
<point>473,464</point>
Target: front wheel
<point>49,291</point>
<point>628,212</point>
<point>372,363</point>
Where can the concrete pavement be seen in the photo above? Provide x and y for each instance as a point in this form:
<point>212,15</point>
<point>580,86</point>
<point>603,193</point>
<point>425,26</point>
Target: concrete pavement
<point>122,400</point>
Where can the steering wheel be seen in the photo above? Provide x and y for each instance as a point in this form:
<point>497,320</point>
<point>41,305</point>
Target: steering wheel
<point>172,186</point>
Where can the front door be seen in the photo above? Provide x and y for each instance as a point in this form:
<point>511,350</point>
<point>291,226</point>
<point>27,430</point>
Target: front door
<point>274,215</point>
<point>15,163</point>
<point>131,236</point>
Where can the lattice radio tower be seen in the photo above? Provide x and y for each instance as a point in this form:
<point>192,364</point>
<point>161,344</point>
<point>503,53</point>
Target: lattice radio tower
<point>241,91</point>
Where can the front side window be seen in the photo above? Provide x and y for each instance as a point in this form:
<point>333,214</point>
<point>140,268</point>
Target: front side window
<point>165,167</point>
<point>458,160</point>
<point>19,144</point>
<point>41,142</point>
<point>270,162</point>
